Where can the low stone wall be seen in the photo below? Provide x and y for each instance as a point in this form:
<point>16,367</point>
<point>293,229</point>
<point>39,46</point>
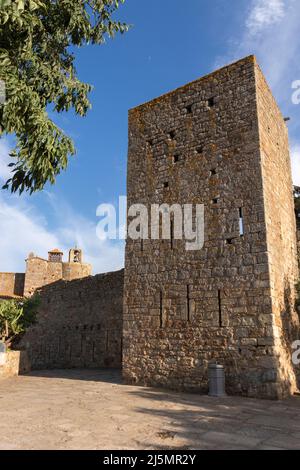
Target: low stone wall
<point>16,363</point>
<point>79,324</point>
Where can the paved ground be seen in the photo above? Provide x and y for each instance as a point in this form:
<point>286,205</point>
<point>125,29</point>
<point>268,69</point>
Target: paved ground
<point>93,410</point>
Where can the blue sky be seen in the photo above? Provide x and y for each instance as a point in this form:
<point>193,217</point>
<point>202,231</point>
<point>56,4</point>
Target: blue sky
<point>170,43</point>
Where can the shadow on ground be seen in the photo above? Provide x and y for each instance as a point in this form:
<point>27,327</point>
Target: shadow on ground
<point>89,409</point>
<point>201,422</point>
<point>113,376</point>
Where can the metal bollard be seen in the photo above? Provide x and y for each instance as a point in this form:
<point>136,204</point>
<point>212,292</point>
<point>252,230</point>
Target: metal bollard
<point>216,380</point>
<point>2,353</point>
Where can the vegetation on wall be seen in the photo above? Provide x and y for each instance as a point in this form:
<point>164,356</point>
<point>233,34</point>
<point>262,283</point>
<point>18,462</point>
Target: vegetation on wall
<point>15,317</point>
<point>38,71</point>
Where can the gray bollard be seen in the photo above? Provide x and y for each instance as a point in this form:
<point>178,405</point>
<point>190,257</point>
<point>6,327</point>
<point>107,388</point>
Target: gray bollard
<point>216,380</point>
<point>2,353</point>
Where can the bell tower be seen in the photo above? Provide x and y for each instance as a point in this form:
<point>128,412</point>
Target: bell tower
<point>75,255</point>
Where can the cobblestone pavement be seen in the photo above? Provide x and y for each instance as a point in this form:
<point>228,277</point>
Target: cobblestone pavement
<point>93,410</point>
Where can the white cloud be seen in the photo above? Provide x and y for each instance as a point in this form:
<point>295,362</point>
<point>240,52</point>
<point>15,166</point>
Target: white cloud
<point>264,13</point>
<point>24,229</point>
<point>271,32</point>
<point>4,160</point>
<point>75,229</point>
<point>296,164</point>
<point>21,232</point>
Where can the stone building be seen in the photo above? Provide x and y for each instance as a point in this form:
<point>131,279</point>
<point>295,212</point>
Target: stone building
<point>79,317</point>
<point>220,141</point>
<point>79,324</point>
<point>40,272</point>
<point>11,285</point>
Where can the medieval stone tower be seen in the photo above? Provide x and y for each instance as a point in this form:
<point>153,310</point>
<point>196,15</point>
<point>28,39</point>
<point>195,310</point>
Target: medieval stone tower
<point>40,272</point>
<point>220,141</point>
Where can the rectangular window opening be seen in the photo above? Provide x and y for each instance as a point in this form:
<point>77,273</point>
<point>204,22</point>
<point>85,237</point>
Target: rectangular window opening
<point>220,309</point>
<point>172,135</point>
<point>161,308</point>
<point>241,222</point>
<point>172,233</point>
<point>188,303</point>
<point>189,109</point>
<point>176,158</point>
<point>211,102</point>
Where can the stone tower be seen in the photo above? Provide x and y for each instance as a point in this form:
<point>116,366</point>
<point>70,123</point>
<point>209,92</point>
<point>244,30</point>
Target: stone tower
<point>40,272</point>
<point>220,141</point>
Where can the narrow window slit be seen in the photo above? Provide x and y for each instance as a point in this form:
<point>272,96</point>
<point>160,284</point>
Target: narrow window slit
<point>241,222</point>
<point>172,135</point>
<point>176,158</point>
<point>188,303</point>
<point>220,309</point>
<point>166,184</point>
<point>172,233</point>
<point>161,308</point>
<point>189,109</point>
<point>211,102</point>
<point>142,241</point>
<point>150,142</point>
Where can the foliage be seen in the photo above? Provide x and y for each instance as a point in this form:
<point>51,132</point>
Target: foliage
<point>38,70</point>
<point>16,316</point>
<point>297,204</point>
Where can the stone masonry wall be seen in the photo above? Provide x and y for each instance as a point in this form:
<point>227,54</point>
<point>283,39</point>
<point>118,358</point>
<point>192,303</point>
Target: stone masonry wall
<point>36,275</point>
<point>298,246</point>
<point>79,324</point>
<point>201,144</point>
<point>280,229</point>
<point>11,284</point>
<point>71,271</point>
<point>40,272</point>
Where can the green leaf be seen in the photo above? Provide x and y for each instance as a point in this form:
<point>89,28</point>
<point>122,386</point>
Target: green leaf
<point>20,4</point>
<point>38,69</point>
<point>4,3</point>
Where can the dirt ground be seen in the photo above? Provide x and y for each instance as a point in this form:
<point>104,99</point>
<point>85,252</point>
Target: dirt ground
<point>93,410</point>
